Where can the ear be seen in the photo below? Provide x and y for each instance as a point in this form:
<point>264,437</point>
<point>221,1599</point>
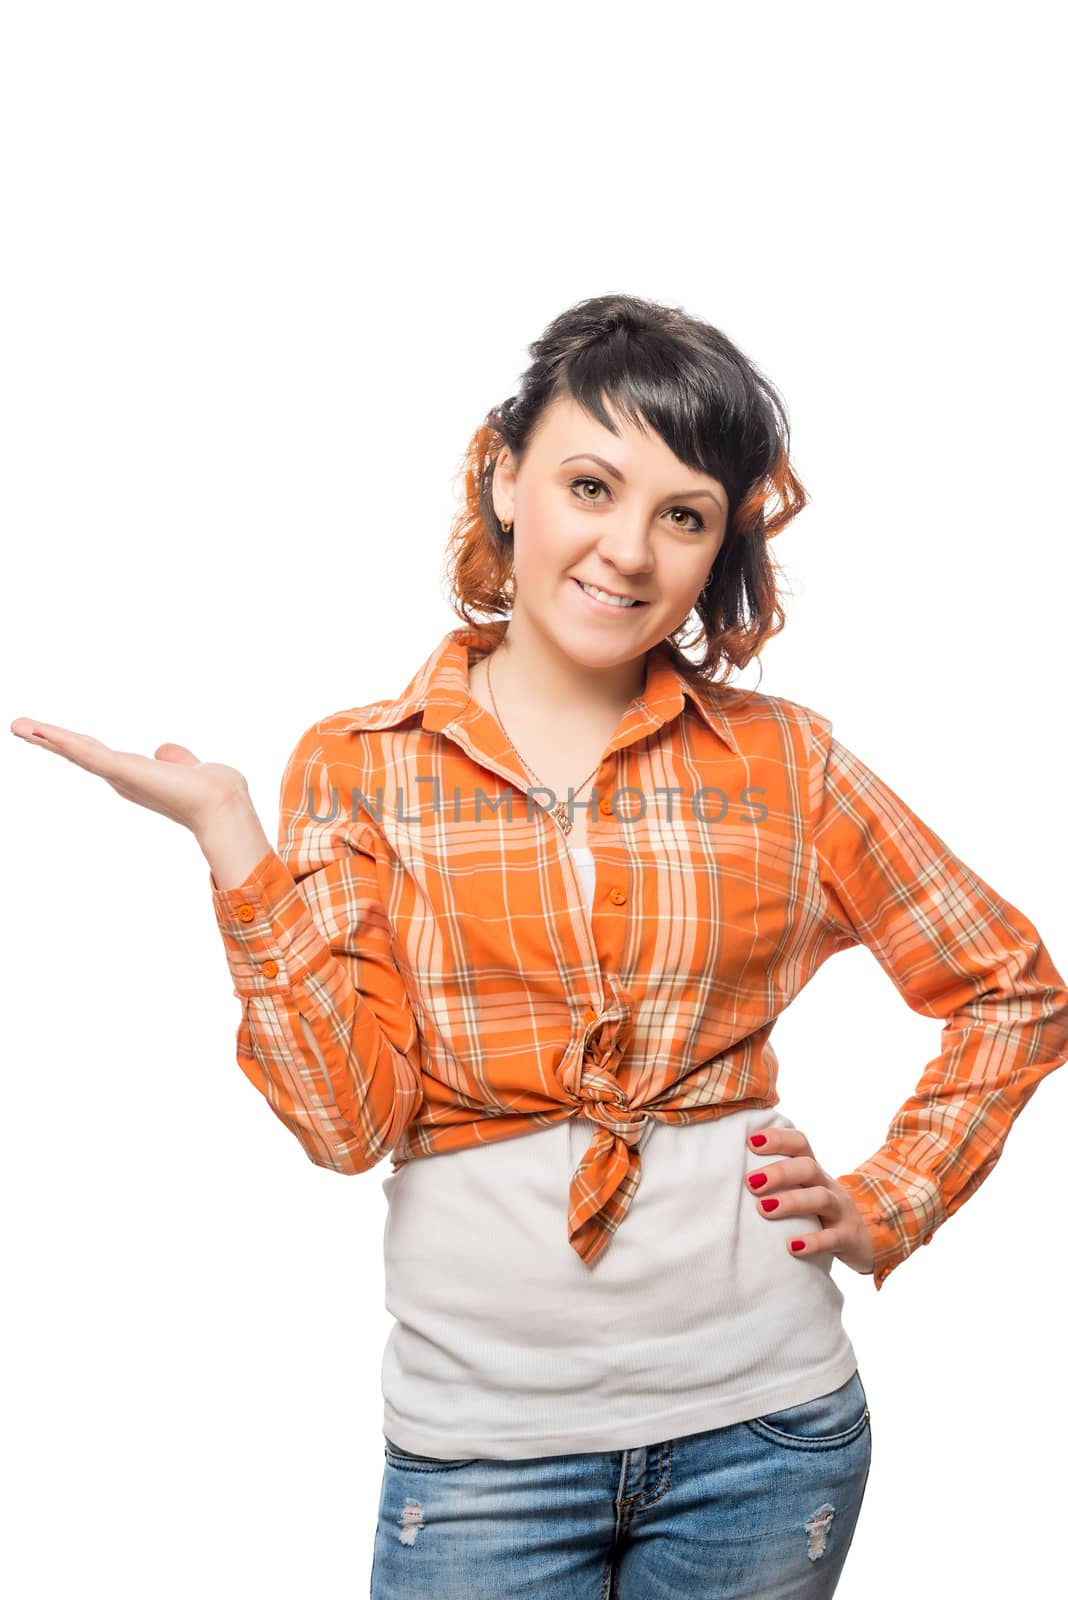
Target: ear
<point>503,485</point>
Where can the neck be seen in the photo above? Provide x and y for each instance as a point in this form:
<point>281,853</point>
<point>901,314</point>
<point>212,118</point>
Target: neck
<point>564,687</point>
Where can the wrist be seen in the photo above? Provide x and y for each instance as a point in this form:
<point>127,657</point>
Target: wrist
<point>233,810</point>
<point>233,842</point>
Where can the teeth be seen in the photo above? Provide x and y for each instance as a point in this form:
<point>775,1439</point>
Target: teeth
<point>602,594</point>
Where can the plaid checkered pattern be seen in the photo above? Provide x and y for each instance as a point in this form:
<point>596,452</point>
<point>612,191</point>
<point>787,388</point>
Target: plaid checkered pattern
<point>419,971</point>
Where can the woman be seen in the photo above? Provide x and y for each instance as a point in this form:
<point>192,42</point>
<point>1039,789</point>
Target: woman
<point>535,918</point>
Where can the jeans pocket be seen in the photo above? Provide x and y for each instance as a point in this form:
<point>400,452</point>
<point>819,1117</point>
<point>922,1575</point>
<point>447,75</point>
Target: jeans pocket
<point>397,1457</point>
<point>825,1423</point>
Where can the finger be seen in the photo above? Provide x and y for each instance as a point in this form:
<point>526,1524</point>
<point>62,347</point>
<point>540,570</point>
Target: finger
<point>70,744</point>
<point>79,748</point>
<point>816,1201</point>
<point>784,1172</point>
<point>62,740</point>
<point>818,1242</point>
<point>176,753</point>
<point>115,767</point>
<point>785,1141</point>
<point>27,728</point>
<point>33,727</point>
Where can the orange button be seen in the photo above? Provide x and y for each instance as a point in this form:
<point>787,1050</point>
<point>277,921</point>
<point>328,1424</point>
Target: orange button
<point>246,913</point>
<point>605,807</point>
<point>618,897</point>
<point>590,1016</point>
<point>270,969</point>
<point>928,1239</point>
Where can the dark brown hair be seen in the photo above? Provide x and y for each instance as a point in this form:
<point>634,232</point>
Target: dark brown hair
<point>712,407</point>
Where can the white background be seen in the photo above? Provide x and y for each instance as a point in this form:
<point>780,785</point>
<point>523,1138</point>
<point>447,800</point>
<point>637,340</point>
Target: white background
<point>265,270</point>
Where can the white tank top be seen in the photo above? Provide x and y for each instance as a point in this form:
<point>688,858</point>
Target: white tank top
<point>507,1345</point>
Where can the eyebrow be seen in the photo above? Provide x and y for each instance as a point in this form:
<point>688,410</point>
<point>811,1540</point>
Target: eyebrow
<point>685,494</point>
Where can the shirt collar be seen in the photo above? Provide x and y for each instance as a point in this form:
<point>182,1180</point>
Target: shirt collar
<point>439,689</point>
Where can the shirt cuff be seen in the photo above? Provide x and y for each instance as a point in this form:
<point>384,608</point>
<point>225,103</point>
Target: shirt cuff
<point>270,939</point>
<point>886,1232</point>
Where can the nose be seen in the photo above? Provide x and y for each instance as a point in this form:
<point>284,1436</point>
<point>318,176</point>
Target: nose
<point>627,547</point>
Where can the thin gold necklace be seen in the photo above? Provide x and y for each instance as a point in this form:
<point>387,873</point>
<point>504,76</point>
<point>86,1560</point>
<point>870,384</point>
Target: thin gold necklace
<point>559,810</point>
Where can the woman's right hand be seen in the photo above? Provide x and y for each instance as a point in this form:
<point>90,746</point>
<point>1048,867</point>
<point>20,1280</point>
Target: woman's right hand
<point>172,782</point>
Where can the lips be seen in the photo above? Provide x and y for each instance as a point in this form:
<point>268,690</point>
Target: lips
<point>592,597</point>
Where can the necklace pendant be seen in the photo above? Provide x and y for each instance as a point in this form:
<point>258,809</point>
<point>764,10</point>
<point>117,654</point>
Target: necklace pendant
<point>559,811</point>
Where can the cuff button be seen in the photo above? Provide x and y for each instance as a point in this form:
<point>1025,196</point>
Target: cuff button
<point>246,913</point>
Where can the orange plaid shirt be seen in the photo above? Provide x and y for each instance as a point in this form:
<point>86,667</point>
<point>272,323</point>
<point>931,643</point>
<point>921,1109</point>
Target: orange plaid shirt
<point>424,916</point>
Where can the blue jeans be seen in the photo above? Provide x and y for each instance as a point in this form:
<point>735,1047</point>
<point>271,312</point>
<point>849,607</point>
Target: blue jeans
<point>761,1510</point>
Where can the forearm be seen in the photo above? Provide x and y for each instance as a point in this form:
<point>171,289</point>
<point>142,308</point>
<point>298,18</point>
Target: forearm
<point>339,1067</point>
<point>233,842</point>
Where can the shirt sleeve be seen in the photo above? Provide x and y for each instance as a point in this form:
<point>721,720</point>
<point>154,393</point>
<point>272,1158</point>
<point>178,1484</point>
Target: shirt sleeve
<point>954,950</point>
<point>327,1033</point>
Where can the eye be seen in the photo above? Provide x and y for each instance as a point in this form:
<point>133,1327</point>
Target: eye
<point>700,521</point>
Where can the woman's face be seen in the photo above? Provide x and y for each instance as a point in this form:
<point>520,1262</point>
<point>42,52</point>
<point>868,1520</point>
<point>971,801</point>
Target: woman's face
<point>651,533</point>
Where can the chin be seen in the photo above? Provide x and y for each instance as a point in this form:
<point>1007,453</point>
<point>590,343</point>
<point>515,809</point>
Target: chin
<point>599,654</point>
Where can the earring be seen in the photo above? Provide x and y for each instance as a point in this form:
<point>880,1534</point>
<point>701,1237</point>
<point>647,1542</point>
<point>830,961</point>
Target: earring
<point>506,527</point>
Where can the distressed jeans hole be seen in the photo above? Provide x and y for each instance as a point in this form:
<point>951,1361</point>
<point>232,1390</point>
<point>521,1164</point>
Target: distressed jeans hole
<point>411,1520</point>
<point>817,1528</point>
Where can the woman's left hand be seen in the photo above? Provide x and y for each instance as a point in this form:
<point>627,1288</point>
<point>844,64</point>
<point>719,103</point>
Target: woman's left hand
<point>795,1179</point>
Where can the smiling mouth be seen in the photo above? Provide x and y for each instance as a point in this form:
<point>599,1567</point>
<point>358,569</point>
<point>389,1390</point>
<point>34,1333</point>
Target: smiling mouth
<point>634,602</point>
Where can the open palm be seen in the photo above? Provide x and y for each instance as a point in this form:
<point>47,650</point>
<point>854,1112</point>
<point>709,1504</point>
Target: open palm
<point>172,781</point>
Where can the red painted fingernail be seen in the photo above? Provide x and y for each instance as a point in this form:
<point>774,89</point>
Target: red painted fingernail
<point>757,1178</point>
<point>797,1244</point>
<point>758,1139</point>
<point>769,1204</point>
